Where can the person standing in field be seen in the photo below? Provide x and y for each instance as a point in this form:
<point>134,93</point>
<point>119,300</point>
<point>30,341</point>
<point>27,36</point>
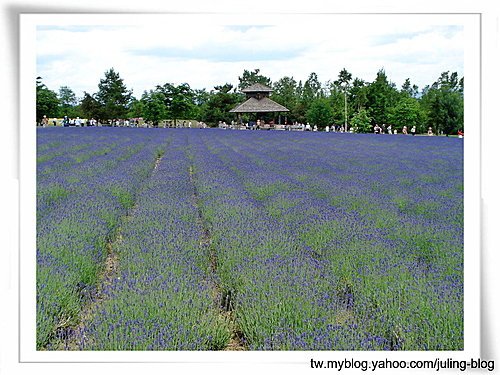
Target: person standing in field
<point>405,130</point>
<point>45,121</point>
<point>413,130</point>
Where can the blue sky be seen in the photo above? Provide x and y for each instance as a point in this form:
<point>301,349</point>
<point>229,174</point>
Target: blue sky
<point>208,50</point>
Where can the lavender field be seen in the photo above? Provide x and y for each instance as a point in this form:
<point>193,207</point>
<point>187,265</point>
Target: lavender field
<point>208,239</point>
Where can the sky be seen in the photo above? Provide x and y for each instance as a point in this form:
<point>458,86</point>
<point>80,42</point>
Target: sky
<point>205,50</point>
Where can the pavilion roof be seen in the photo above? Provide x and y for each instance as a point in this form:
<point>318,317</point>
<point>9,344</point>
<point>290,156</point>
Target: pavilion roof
<point>257,106</point>
<point>257,87</point>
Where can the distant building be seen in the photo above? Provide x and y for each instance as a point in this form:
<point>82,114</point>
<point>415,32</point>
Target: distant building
<point>258,101</point>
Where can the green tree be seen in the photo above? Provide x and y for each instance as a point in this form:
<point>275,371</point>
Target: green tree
<point>285,92</point>
<point>337,101</point>
<point>154,106</point>
<point>382,95</point>
<point>361,121</point>
<point>343,81</point>
<point>312,89</point>
<point>306,94</point>
<point>47,103</point>
<point>89,106</point>
<point>358,95</point>
<point>221,100</point>
<point>113,96</point>
<point>179,100</point>
<point>320,113</point>
<point>249,78</point>
<point>406,112</point>
<point>443,104</point>
<point>408,89</point>
<point>68,103</point>
<point>136,109</point>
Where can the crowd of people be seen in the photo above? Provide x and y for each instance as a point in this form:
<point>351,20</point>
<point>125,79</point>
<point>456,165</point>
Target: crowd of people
<point>132,122</point>
<point>253,125</point>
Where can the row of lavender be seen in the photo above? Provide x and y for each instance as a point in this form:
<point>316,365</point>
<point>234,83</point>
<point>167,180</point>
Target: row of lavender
<point>86,184</point>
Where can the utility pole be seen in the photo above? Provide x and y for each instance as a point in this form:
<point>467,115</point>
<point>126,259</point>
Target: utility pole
<point>345,108</point>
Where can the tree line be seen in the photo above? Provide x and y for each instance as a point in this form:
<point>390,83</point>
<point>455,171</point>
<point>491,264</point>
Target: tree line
<point>346,100</point>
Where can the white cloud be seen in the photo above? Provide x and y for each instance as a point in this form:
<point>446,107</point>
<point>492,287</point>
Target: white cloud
<point>206,50</point>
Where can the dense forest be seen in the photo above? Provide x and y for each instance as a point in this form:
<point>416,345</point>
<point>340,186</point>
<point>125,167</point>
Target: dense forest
<point>345,100</point>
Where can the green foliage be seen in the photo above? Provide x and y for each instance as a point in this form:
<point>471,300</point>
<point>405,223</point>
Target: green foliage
<point>46,101</point>
<point>113,96</point>
<point>312,88</point>
<point>90,107</point>
<point>408,89</point>
<point>219,103</point>
<point>154,108</point>
<point>362,121</point>
<point>443,104</point>
<point>382,95</point>
<point>440,105</point>
<point>249,78</point>
<point>406,112</point>
<point>343,82</point>
<point>358,95</point>
<point>136,108</point>
<point>68,104</point>
<point>305,94</point>
<point>320,113</point>
<point>285,92</point>
<point>337,103</point>
<point>178,100</point>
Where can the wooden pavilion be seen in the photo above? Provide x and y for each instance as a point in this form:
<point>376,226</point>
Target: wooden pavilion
<point>258,102</point>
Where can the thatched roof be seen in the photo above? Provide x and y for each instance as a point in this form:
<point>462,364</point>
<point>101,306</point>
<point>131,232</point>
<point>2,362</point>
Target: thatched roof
<point>257,87</point>
<point>257,106</point>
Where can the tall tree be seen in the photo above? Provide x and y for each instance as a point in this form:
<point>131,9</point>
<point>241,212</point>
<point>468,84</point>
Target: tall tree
<point>46,101</point>
<point>179,100</point>
<point>361,121</point>
<point>443,103</point>
<point>285,92</point>
<point>358,95</point>
<point>249,78</point>
<point>320,113</point>
<point>154,106</point>
<point>90,107</point>
<point>306,94</point>
<point>408,89</point>
<point>382,96</point>
<point>406,112</point>
<point>113,96</point>
<point>221,100</point>
<point>67,102</point>
<point>343,81</point>
<point>312,88</point>
<point>136,109</point>
<point>200,100</point>
<point>336,99</point>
